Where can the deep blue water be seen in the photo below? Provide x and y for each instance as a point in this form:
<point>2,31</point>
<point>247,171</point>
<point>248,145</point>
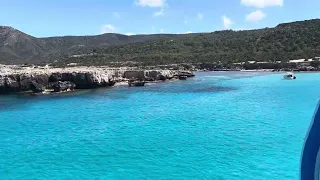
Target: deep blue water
<point>214,126</point>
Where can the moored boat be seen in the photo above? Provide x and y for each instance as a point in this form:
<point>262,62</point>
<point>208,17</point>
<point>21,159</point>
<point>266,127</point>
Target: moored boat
<point>289,76</point>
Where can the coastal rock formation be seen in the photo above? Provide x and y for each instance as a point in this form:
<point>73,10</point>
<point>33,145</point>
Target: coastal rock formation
<point>161,77</point>
<point>42,79</point>
<point>63,86</point>
<point>150,75</point>
<point>185,73</point>
<point>156,75</point>
<point>39,82</point>
<point>9,83</point>
<point>2,85</point>
<point>83,80</point>
<point>37,87</point>
<point>25,81</point>
<point>134,74</point>
<point>12,83</point>
<point>17,79</point>
<point>16,83</point>
<point>54,77</point>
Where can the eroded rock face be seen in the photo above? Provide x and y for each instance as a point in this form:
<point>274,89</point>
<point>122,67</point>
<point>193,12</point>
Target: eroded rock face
<point>68,77</point>
<point>42,79</point>
<point>63,86</point>
<point>37,87</point>
<point>186,73</point>
<point>161,74</point>
<point>161,77</point>
<point>12,83</point>
<point>83,80</point>
<point>80,81</point>
<point>134,74</point>
<point>108,83</point>
<point>25,81</point>
<point>2,85</point>
<point>54,77</point>
<point>78,78</point>
<point>17,83</point>
<point>152,74</point>
<point>9,84</point>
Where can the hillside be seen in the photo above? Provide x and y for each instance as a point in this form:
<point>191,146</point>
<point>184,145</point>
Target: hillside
<point>17,47</point>
<point>283,42</point>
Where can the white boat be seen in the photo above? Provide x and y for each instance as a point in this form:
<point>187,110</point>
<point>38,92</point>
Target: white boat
<point>289,76</point>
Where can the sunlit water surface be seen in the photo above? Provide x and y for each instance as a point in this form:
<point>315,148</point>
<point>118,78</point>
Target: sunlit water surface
<point>214,126</point>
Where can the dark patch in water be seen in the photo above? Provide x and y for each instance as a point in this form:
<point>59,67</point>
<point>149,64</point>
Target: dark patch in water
<point>113,94</point>
<point>116,93</point>
<point>11,102</point>
<point>21,100</point>
<point>214,89</point>
<point>180,88</point>
<point>4,105</point>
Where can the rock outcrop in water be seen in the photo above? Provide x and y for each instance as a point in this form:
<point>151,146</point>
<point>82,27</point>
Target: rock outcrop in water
<point>37,87</point>
<point>62,86</point>
<point>83,80</point>
<point>16,79</point>
<point>23,82</point>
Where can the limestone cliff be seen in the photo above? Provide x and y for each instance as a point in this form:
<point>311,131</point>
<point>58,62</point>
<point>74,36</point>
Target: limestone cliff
<point>17,79</point>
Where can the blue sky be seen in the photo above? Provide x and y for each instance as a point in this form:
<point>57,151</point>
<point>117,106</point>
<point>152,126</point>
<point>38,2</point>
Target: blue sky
<point>43,18</point>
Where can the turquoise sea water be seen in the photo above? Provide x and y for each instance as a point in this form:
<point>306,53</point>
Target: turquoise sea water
<point>214,126</point>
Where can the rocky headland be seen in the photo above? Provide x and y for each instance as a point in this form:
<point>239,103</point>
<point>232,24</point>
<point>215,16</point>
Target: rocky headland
<point>15,79</point>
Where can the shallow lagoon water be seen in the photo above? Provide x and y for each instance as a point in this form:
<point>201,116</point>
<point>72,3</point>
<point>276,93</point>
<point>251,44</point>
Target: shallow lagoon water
<point>228,125</point>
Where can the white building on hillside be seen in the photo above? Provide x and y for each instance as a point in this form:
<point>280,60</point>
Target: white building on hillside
<point>297,61</point>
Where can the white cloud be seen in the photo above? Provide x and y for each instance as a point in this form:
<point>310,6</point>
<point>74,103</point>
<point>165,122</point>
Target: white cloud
<point>161,30</point>
<point>116,15</point>
<point>151,3</point>
<point>159,13</point>
<point>262,3</point>
<point>188,32</point>
<point>129,34</point>
<point>255,16</point>
<point>108,28</point>
<point>227,22</point>
<point>200,16</point>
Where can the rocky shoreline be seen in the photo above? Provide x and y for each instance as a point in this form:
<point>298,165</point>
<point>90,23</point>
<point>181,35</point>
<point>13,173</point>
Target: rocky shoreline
<point>14,79</point>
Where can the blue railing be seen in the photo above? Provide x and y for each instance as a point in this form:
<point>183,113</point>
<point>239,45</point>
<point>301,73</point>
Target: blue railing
<point>311,155</point>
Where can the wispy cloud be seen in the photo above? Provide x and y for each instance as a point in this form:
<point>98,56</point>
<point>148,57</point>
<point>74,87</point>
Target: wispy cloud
<point>151,3</point>
<point>161,30</point>
<point>186,21</point>
<point>116,15</point>
<point>108,28</point>
<point>200,16</point>
<point>159,13</point>
<point>256,16</point>
<point>227,22</point>
<point>262,3</point>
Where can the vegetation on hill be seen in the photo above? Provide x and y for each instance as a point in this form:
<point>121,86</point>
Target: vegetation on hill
<point>286,41</point>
